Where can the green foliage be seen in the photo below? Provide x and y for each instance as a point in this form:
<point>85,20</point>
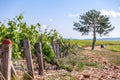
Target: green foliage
<point>48,52</point>
<point>49,40</point>
<point>17,30</point>
<point>68,68</point>
<point>93,21</point>
<point>80,66</point>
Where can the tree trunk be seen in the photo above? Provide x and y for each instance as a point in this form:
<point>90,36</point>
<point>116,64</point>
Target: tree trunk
<point>93,43</point>
<point>94,38</point>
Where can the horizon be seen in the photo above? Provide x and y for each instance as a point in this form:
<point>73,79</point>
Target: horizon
<point>96,38</point>
<point>61,14</point>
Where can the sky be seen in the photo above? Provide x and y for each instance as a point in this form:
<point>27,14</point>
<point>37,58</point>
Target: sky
<point>61,14</point>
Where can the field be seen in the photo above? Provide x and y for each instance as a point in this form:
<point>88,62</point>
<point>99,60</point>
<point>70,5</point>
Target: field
<point>115,48</point>
<point>111,51</point>
<point>110,45</point>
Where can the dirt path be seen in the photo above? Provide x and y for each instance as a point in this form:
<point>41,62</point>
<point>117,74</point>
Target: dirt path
<point>98,48</point>
<point>106,71</point>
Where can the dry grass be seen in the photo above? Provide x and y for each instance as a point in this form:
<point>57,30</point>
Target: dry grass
<point>113,57</point>
<point>75,64</point>
<point>78,62</point>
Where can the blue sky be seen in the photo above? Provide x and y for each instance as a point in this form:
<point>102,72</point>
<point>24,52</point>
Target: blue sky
<point>60,14</point>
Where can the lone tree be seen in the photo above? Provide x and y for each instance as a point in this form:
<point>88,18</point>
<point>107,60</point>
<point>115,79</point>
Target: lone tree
<point>93,21</point>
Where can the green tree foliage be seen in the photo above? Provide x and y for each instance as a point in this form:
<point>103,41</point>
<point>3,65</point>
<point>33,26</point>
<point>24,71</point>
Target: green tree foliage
<point>49,39</point>
<point>93,21</point>
<point>16,30</point>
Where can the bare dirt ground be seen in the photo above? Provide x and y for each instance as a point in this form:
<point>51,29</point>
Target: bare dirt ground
<point>106,70</point>
<point>98,48</point>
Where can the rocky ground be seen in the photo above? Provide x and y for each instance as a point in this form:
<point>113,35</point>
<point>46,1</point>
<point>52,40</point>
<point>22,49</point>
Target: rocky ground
<point>106,70</point>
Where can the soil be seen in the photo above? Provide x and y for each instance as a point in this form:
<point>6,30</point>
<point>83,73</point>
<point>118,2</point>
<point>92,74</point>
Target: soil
<point>107,71</point>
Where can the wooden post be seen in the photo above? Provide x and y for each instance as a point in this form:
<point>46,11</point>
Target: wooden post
<point>53,45</point>
<point>40,58</point>
<point>28,56</point>
<point>41,49</point>
<point>0,56</point>
<point>58,54</point>
<point>66,52</point>
<point>1,76</point>
<point>6,59</point>
<point>68,47</point>
<point>13,71</point>
<point>0,50</point>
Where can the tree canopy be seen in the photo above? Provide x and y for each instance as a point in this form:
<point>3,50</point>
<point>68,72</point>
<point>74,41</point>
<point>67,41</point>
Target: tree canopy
<point>93,21</point>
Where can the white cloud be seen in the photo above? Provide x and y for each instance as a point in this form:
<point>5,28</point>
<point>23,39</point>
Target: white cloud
<point>110,13</point>
<point>74,15</point>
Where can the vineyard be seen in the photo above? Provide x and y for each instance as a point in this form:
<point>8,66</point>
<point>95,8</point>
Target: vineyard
<point>28,53</point>
<point>17,30</point>
<point>52,46</point>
